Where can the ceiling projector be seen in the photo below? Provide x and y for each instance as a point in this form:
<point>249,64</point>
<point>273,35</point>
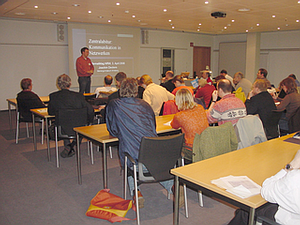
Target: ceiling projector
<point>218,14</point>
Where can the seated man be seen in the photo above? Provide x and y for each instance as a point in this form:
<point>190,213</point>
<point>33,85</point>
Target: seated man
<point>240,81</point>
<point>282,191</point>
<point>229,108</point>
<point>66,99</point>
<point>205,74</point>
<point>27,100</point>
<point>167,81</point>
<point>260,102</point>
<point>129,119</point>
<point>262,74</point>
<point>154,94</point>
<point>107,86</point>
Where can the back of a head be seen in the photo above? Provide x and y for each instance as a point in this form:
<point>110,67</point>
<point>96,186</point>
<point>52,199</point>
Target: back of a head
<point>223,71</point>
<point>178,78</point>
<point>202,82</point>
<point>146,79</point>
<point>25,83</point>
<point>225,85</point>
<point>220,77</point>
<point>290,84</point>
<point>120,76</point>
<point>108,80</point>
<point>264,72</point>
<point>63,81</point>
<point>239,74</point>
<point>261,84</point>
<point>293,76</point>
<point>184,99</point>
<point>128,88</point>
<point>170,73</point>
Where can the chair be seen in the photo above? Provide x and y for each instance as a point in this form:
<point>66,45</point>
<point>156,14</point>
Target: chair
<point>249,131</point>
<point>213,141</point>
<point>294,121</point>
<point>159,155</point>
<point>271,126</point>
<point>170,107</point>
<point>65,121</point>
<point>24,115</point>
<point>261,219</point>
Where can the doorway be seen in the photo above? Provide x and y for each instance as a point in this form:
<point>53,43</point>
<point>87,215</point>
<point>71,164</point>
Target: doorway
<point>201,59</point>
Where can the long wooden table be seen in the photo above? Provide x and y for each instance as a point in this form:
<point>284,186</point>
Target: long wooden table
<point>258,162</point>
<point>99,134</point>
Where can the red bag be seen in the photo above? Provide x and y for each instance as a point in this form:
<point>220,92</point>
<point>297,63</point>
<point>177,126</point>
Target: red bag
<point>109,207</point>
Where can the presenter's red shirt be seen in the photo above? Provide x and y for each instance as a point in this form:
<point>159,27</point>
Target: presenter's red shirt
<point>84,65</point>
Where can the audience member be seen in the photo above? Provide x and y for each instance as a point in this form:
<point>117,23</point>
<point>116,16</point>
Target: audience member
<point>179,84</point>
<point>260,102</point>
<point>240,81</point>
<point>107,86</point>
<point>295,79</point>
<point>262,74</point>
<point>205,91</point>
<point>191,119</point>
<point>228,77</point>
<point>140,88</point>
<point>290,103</point>
<point>205,74</point>
<point>229,108</point>
<point>154,94</point>
<point>27,100</point>
<point>129,119</point>
<point>66,99</point>
<point>167,81</point>
<point>282,191</point>
<point>85,70</point>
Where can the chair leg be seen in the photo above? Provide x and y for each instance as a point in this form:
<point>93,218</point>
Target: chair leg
<point>110,152</point>
<point>27,130</point>
<point>185,194</point>
<point>200,198</point>
<point>56,148</point>
<point>17,128</point>
<point>136,196</point>
<point>42,136</point>
<point>91,153</point>
<point>125,178</point>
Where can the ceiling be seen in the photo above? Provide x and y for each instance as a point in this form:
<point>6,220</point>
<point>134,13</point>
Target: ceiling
<point>180,15</point>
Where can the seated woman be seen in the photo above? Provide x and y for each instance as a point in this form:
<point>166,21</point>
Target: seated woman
<point>205,91</point>
<point>179,84</point>
<point>290,103</point>
<point>191,118</point>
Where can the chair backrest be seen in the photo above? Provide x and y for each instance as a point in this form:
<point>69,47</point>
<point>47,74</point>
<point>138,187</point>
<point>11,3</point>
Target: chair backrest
<point>271,125</point>
<point>160,154</point>
<point>249,131</point>
<point>214,141</point>
<point>104,94</point>
<point>170,107</point>
<point>294,121</point>
<point>67,119</point>
<point>200,101</point>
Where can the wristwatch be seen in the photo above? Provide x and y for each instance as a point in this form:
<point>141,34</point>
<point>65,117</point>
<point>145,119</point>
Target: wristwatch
<point>288,167</point>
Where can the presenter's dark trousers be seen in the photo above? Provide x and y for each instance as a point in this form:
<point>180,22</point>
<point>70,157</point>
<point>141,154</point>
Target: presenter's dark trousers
<point>84,84</point>
<point>241,217</point>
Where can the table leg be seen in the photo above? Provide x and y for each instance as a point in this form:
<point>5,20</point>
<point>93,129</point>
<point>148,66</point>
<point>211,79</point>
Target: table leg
<point>78,157</point>
<point>34,135</point>
<point>104,166</point>
<point>48,141</point>
<point>176,202</point>
<point>251,216</point>
<point>9,115</point>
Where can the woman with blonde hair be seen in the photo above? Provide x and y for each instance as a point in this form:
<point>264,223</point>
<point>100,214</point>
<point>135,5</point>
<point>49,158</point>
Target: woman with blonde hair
<point>191,118</point>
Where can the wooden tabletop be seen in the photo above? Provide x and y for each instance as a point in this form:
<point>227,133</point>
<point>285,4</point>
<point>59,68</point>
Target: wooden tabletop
<point>258,162</point>
<point>99,132</point>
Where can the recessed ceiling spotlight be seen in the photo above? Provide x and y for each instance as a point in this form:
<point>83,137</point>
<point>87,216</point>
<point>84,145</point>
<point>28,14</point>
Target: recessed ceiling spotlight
<point>68,17</point>
<point>206,2</point>
<point>165,10</point>
<point>76,5</point>
<point>171,24</point>
<point>297,21</point>
<point>225,28</point>
<point>133,16</point>
<point>89,11</point>
<point>228,25</point>
<point>100,17</point>
<point>200,24</point>
<point>118,3</point>
<point>20,13</point>
<point>273,16</point>
<point>247,31</point>
<point>232,21</point>
<point>278,28</point>
<point>173,27</point>
<point>54,13</point>
<point>286,25</point>
<point>126,11</point>
<point>298,2</point>
<point>36,6</point>
<point>198,29</point>
<point>170,21</point>
<point>139,21</point>
<point>244,10</point>
<point>109,21</point>
<point>257,24</point>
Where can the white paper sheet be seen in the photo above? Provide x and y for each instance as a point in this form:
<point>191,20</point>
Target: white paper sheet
<point>42,110</point>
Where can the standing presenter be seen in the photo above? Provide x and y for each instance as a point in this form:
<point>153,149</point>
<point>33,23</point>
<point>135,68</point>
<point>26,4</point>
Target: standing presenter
<point>85,69</point>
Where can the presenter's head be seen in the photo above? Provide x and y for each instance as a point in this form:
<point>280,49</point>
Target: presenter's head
<point>26,84</point>
<point>63,82</point>
<point>85,52</point>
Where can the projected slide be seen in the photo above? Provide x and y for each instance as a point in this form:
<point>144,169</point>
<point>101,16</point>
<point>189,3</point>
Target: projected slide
<point>112,49</point>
